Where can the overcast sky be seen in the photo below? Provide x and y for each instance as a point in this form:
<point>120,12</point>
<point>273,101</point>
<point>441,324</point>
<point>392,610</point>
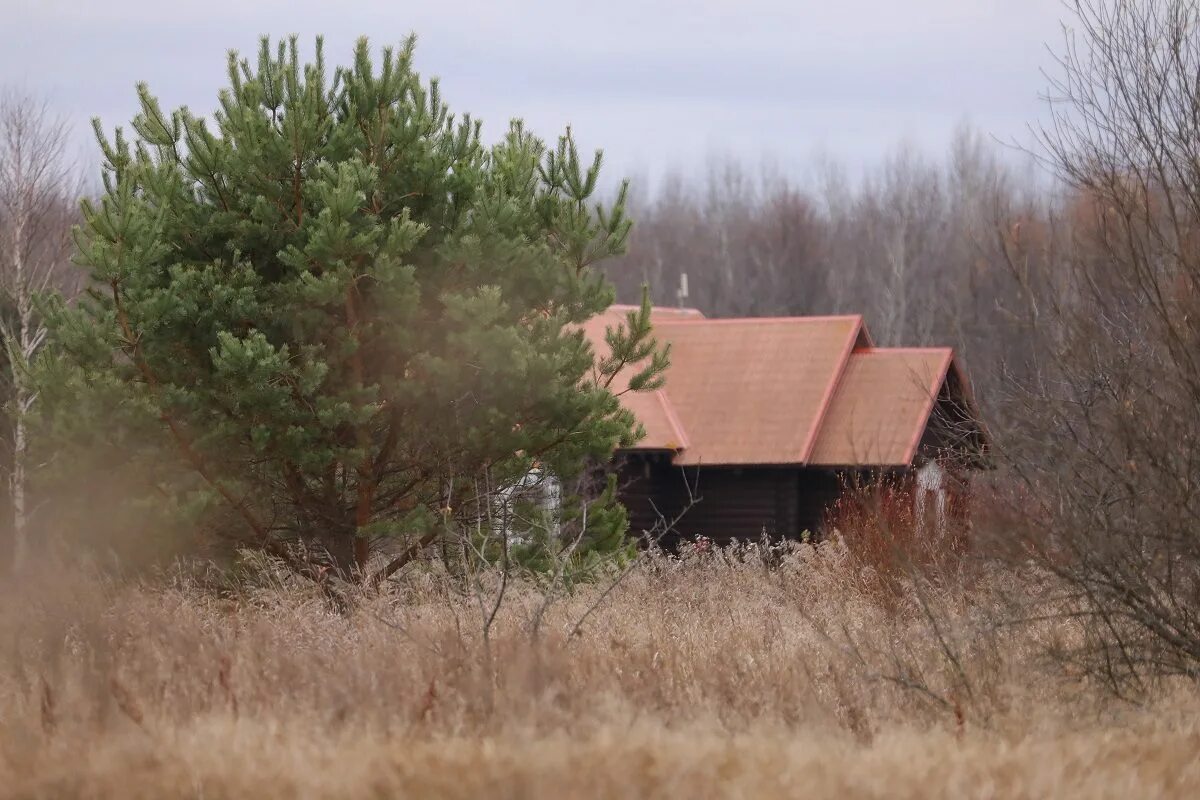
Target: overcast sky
<point>658,83</point>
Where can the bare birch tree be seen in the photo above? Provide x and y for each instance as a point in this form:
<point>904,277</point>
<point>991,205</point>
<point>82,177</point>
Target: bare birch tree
<point>38,190</point>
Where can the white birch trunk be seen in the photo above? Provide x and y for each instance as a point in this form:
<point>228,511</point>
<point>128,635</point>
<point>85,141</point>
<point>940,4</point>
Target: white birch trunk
<point>17,481</point>
<point>16,343</point>
<point>29,336</point>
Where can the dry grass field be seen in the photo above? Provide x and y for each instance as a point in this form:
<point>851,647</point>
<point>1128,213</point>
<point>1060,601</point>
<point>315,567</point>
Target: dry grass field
<point>709,676</point>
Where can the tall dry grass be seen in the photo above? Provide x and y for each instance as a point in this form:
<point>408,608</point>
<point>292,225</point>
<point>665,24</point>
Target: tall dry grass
<point>718,674</point>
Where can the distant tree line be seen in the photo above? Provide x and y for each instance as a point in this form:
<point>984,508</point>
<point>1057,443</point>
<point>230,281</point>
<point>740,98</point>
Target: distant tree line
<point>923,248</point>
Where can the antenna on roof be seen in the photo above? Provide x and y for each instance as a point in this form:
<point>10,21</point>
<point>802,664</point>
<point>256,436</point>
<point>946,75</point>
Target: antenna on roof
<point>682,293</point>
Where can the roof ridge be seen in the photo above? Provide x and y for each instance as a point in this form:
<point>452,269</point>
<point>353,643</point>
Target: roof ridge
<point>671,310</point>
<point>758,320</point>
<point>673,418</point>
<point>875,351</point>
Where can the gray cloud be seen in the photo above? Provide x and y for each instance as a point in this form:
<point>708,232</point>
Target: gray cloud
<point>656,83</point>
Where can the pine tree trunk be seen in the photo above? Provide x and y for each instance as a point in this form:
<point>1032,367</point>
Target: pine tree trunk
<point>367,479</point>
<point>362,518</point>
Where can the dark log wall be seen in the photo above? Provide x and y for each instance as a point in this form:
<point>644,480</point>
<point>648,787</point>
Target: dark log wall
<point>724,503</point>
<point>953,434</point>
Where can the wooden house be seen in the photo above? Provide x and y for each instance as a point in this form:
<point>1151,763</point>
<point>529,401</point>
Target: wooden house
<point>763,423</point>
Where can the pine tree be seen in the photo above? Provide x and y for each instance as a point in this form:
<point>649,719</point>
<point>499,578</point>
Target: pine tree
<point>342,308</point>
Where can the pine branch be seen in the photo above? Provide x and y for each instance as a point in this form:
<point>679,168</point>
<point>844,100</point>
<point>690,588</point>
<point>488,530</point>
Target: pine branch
<point>182,440</point>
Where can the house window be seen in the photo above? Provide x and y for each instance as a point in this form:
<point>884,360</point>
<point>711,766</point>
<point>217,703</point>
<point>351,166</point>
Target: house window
<point>931,498</point>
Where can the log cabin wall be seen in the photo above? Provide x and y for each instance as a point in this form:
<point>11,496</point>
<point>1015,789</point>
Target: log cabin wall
<point>726,503</point>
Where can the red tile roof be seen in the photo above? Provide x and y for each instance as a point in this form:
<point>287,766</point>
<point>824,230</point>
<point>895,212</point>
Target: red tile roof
<point>881,406</point>
<point>753,391</point>
<point>784,390</point>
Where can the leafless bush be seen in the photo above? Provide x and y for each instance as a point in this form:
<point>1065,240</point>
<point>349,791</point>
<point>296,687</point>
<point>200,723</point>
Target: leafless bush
<point>1108,443</point>
<point>891,537</point>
